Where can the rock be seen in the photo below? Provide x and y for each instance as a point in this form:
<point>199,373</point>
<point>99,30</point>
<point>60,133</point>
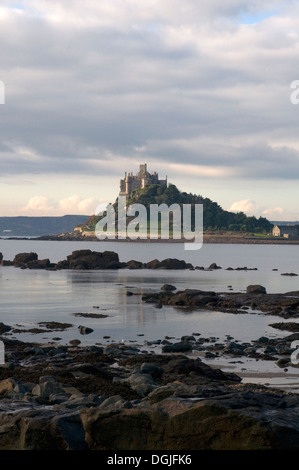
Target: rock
<point>263,340</point>
<point>292,337</point>
<point>256,289</point>
<point>63,431</point>
<point>38,264</point>
<point>269,349</point>
<point>162,402</point>
<point>7,385</point>
<point>236,421</point>
<point>21,259</point>
<point>4,328</point>
<point>234,348</point>
<point>188,338</point>
<point>115,402</point>
<point>75,342</point>
<point>88,259</point>
<point>142,383</point>
<point>214,266</point>
<point>209,355</point>
<point>153,264</point>
<point>168,263</point>
<point>46,388</point>
<point>282,362</point>
<point>168,287</point>
<point>288,326</point>
<point>84,330</point>
<point>80,400</point>
<point>133,264</point>
<point>150,368</point>
<point>182,346</point>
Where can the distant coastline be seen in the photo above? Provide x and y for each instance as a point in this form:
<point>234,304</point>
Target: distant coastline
<point>208,238</point>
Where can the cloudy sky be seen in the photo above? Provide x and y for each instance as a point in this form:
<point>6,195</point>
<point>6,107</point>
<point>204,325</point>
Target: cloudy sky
<point>201,91</point>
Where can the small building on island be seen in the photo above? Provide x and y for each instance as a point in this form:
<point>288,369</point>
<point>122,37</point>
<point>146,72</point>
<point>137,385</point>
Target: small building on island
<point>285,231</point>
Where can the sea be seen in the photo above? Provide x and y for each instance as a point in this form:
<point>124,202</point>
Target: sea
<point>31,298</point>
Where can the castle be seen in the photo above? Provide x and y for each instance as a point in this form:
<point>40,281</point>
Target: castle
<point>141,180</point>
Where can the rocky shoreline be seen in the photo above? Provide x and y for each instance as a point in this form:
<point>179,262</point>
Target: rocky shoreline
<point>129,397</point>
<point>120,397</point>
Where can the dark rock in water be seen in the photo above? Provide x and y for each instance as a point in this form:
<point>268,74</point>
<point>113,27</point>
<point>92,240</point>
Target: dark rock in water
<point>153,264</point>
<point>168,287</point>
<point>182,346</point>
<point>262,340</point>
<point>288,326</point>
<point>133,264</point>
<point>256,289</point>
<point>22,259</point>
<point>283,305</point>
<point>84,330</point>
<point>168,263</point>
<point>87,259</point>
<point>7,262</point>
<point>188,338</point>
<point>234,349</point>
<point>39,264</point>
<point>282,362</point>
<point>4,328</point>
<point>292,337</point>
<point>187,298</point>
<point>214,266</point>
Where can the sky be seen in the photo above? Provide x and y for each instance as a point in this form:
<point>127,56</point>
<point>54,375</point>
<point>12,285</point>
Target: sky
<point>200,91</point>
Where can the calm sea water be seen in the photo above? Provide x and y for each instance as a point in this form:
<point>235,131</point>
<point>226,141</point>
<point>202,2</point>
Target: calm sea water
<point>28,297</point>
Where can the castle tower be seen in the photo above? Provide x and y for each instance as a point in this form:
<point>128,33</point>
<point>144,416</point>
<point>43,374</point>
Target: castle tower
<point>141,180</point>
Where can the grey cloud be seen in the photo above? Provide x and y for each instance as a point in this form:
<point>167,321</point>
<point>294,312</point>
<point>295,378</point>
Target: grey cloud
<point>78,94</point>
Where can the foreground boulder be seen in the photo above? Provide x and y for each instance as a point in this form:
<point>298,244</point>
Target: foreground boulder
<point>148,402</point>
<point>233,422</point>
<point>256,289</point>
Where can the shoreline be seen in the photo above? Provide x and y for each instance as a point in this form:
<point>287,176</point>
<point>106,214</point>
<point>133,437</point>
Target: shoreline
<point>56,397</point>
<point>207,239</point>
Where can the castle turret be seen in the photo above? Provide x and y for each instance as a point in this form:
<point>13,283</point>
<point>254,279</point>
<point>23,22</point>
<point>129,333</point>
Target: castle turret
<point>141,180</point>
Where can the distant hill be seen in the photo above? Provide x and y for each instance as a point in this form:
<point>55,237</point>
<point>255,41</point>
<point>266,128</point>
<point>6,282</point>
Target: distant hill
<point>280,222</point>
<point>38,226</point>
<point>214,217</point>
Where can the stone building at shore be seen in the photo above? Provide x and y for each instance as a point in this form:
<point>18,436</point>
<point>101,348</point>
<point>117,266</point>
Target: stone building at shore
<point>285,231</point>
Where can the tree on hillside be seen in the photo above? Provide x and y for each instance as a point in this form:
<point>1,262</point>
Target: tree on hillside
<point>214,217</point>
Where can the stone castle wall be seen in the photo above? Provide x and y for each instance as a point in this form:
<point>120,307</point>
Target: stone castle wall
<point>141,180</point>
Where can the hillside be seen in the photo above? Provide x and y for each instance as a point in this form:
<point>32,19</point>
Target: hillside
<point>38,226</point>
<point>214,217</point>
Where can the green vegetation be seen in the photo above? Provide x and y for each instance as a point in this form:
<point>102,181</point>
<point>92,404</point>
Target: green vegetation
<point>214,217</point>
